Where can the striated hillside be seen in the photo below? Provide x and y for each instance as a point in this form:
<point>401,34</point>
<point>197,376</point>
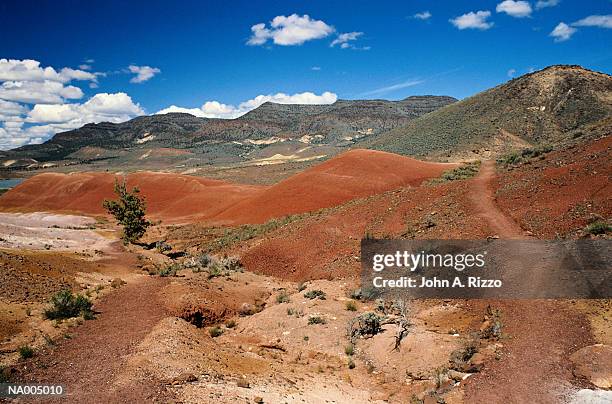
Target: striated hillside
<point>334,124</point>
<point>547,106</point>
<point>180,198</point>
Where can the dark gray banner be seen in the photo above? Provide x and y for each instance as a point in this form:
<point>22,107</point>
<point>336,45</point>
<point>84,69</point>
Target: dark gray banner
<point>488,269</point>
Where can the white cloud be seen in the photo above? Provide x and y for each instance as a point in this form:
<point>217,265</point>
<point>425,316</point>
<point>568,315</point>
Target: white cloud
<point>473,20</point>
<point>425,15</point>
<point>8,108</point>
<point>601,21</point>
<point>316,68</point>
<point>518,9</point>
<point>546,3</point>
<point>344,40</point>
<point>85,67</point>
<point>143,73</point>
<point>289,30</point>
<point>33,92</point>
<point>30,70</point>
<point>25,82</point>
<point>215,109</point>
<point>562,32</point>
<point>511,72</point>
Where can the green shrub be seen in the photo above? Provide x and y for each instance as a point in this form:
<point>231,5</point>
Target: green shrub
<point>230,324</point>
<point>215,331</point>
<point>169,270</point>
<point>129,211</point>
<point>65,304</point>
<point>349,350</point>
<point>351,364</point>
<point>315,294</point>
<point>351,306</point>
<point>365,325</point>
<point>312,320</point>
<point>365,294</point>
<point>463,172</point>
<point>26,352</point>
<point>282,297</point>
<point>524,155</point>
<point>599,227</point>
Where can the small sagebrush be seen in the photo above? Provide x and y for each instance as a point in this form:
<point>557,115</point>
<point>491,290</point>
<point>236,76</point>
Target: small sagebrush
<point>65,304</point>
<point>316,320</point>
<point>26,352</point>
<point>315,294</point>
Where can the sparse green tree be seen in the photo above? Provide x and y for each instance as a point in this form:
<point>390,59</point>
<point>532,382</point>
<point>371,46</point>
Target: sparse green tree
<point>129,211</point>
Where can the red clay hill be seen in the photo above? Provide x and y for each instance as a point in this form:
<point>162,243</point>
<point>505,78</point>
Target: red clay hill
<point>180,198</point>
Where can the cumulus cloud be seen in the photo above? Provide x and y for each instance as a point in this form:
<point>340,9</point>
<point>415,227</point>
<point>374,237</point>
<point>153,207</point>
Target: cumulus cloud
<point>518,9</point>
<point>473,20</point>
<point>345,39</point>
<point>600,21</point>
<point>30,70</point>
<point>34,102</point>
<point>511,73</point>
<point>289,30</point>
<point>425,15</point>
<point>562,32</point>
<point>546,3</point>
<point>215,109</point>
<point>32,92</point>
<point>143,73</point>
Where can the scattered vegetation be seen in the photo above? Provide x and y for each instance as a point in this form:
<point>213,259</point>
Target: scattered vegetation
<point>312,320</point>
<point>599,227</point>
<point>365,294</point>
<point>169,270</point>
<point>351,364</point>
<point>315,294</point>
<point>282,297</point>
<point>26,352</point>
<point>215,331</point>
<point>215,266</point>
<point>524,155</point>
<point>230,324</point>
<point>364,325</point>
<point>65,304</point>
<point>351,306</point>
<point>463,172</point>
<point>129,211</point>
<point>301,286</point>
<point>349,350</point>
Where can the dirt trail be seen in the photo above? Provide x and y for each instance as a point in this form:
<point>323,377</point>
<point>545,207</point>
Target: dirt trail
<point>542,333</point>
<point>483,198</point>
<point>89,362</point>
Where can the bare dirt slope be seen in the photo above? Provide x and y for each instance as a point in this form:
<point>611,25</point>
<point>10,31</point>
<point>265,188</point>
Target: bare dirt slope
<point>89,363</point>
<point>182,198</point>
<point>354,174</point>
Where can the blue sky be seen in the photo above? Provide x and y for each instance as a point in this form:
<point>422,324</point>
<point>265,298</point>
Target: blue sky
<point>202,53</point>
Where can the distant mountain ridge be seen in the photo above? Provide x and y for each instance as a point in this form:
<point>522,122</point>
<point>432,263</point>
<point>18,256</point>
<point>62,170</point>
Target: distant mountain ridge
<point>329,124</point>
<point>547,106</point>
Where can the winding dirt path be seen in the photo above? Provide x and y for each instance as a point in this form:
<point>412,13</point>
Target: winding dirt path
<point>542,334</point>
<point>483,199</point>
<point>89,362</point>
